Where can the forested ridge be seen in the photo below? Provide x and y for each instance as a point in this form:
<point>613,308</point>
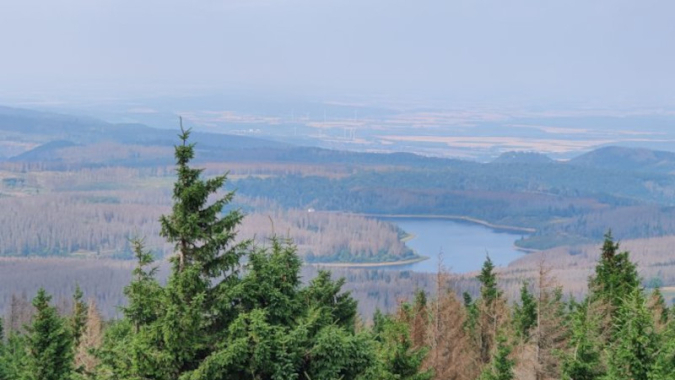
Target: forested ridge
<point>568,203</point>
<point>231,309</point>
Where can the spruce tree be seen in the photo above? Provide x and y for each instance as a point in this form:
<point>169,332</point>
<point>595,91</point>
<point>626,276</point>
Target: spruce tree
<point>13,359</point>
<point>491,312</point>
<point>501,366</point>
<point>144,293</point>
<point>633,354</point>
<point>583,360</point>
<point>197,309</point>
<point>489,291</point>
<point>78,317</point>
<point>203,238</point>
<point>399,359</point>
<point>48,344</point>
<point>525,314</point>
<point>615,275</point>
<point>274,335</point>
<point>471,314</point>
<point>336,306</point>
<point>218,318</point>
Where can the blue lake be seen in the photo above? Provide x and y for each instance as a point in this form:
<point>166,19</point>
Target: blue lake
<point>464,245</point>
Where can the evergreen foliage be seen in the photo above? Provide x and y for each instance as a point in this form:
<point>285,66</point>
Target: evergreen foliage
<point>49,350</point>
<point>584,358</point>
<point>13,359</point>
<point>501,367</point>
<point>491,312</point>
<point>3,370</point>
<point>78,318</point>
<point>525,314</point>
<point>488,279</point>
<point>615,275</point>
<point>399,359</point>
<point>632,355</point>
<point>221,318</point>
<point>232,310</point>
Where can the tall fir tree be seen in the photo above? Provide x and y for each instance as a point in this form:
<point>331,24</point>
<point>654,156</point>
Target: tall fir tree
<point>203,238</point>
<point>196,309</point>
<point>78,316</point>
<point>492,312</point>
<point>615,275</point>
<point>525,313</point>
<point>49,343</point>
<point>489,291</point>
<point>218,318</point>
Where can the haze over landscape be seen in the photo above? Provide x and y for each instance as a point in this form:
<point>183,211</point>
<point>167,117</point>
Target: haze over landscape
<point>264,189</point>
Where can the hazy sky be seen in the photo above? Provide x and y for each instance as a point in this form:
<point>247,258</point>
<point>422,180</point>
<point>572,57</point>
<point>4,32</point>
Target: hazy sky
<point>602,51</point>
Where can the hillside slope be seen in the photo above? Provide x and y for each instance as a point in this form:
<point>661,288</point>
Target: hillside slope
<point>627,159</point>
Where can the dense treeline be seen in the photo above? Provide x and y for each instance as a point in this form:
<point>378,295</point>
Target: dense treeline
<point>618,331</point>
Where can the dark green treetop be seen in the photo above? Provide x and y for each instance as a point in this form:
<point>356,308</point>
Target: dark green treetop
<point>202,236</point>
<point>49,344</point>
<point>525,314</point>
<point>615,275</point>
<point>489,291</point>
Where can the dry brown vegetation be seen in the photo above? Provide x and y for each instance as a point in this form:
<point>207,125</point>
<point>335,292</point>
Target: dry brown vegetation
<point>94,212</point>
<point>571,266</point>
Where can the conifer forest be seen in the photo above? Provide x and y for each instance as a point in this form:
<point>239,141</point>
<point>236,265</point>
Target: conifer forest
<point>337,190</point>
<point>235,309</point>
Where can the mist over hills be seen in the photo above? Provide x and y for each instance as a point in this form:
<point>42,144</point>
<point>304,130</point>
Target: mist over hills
<point>47,132</point>
<point>627,159</point>
<point>40,136</point>
<point>517,157</point>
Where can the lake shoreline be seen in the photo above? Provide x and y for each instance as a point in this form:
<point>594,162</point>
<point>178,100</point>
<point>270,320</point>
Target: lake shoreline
<point>370,265</point>
<point>496,227</point>
<point>409,236</point>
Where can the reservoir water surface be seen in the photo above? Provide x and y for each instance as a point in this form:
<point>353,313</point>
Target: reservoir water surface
<point>464,245</point>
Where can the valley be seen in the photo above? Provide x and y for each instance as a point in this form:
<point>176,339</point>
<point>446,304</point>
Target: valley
<point>84,187</point>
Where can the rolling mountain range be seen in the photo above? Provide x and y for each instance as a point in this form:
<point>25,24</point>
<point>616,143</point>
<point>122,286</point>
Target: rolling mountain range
<point>39,136</point>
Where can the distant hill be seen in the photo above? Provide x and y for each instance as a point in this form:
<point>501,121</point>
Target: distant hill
<point>627,159</point>
<point>53,131</point>
<point>44,152</point>
<point>522,158</point>
<point>51,134</point>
